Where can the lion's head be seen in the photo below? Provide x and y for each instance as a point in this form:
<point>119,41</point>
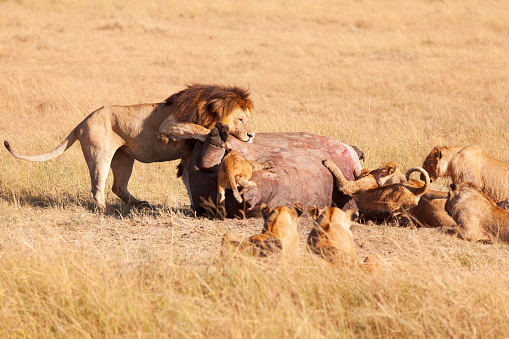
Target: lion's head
<point>332,230</point>
<point>282,219</point>
<point>432,163</point>
<point>206,105</point>
<point>384,173</point>
<point>438,161</point>
<point>463,191</point>
<point>451,197</point>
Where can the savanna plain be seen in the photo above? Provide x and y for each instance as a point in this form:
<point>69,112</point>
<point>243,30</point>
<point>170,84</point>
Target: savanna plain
<point>394,78</point>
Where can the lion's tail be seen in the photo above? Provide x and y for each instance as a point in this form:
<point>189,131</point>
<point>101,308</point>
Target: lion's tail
<point>421,190</point>
<point>336,172</point>
<point>68,142</point>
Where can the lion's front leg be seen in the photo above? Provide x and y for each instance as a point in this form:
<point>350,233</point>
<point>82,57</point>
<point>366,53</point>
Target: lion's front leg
<point>173,130</point>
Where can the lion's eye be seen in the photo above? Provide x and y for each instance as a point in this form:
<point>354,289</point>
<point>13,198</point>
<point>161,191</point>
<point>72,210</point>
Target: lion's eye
<point>241,120</point>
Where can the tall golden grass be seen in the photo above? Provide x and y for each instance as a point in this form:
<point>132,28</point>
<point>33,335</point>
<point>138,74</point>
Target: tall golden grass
<point>394,78</point>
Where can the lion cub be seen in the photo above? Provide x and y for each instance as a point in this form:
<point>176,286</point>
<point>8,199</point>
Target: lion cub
<point>332,238</point>
<point>380,202</point>
<point>364,182</point>
<point>279,233</point>
<point>234,172</point>
<point>388,174</point>
<point>477,216</point>
<point>429,212</point>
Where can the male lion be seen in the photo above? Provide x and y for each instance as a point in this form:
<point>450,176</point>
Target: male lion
<point>115,136</point>
<point>477,216</point>
<point>470,164</point>
<point>279,233</point>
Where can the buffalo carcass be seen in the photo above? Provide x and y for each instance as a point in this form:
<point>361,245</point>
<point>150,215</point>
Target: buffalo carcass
<point>297,174</point>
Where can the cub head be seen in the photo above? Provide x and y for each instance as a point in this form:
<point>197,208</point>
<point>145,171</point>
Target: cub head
<point>382,174</point>
<point>459,191</point>
<point>451,197</point>
<point>281,221</point>
<point>364,173</point>
<point>433,163</point>
<point>332,229</point>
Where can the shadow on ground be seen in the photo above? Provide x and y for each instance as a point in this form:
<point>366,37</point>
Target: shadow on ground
<point>66,200</point>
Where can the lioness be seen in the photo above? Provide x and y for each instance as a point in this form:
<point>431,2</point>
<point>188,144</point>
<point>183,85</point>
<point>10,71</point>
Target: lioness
<point>115,136</point>
<point>477,216</point>
<point>382,201</point>
<point>470,164</point>
<point>279,233</point>
<point>332,238</point>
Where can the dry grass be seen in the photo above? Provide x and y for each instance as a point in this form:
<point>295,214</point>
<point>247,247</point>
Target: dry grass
<point>393,78</point>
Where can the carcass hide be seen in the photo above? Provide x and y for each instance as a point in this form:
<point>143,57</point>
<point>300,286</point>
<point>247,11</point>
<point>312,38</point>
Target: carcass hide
<point>298,174</point>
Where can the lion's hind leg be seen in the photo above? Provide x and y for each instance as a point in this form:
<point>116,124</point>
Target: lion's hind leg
<point>122,167</point>
<point>98,162</point>
<point>242,182</point>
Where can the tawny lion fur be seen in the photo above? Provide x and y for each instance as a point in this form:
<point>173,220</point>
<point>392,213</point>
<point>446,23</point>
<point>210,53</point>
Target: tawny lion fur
<point>332,238</point>
<point>114,136</point>
<point>388,174</point>
<point>235,171</point>
<point>382,201</point>
<point>436,215</point>
<point>477,216</point>
<point>470,164</point>
<point>427,213</point>
<point>365,181</point>
<point>279,233</point>
<point>331,235</point>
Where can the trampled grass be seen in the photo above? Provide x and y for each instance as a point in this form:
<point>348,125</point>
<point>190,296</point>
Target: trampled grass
<point>393,78</point>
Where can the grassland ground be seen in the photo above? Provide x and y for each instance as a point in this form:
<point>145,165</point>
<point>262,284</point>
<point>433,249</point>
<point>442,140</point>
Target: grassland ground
<point>393,78</point>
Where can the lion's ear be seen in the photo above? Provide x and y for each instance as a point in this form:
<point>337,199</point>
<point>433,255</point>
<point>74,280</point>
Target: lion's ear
<point>265,209</point>
<point>352,214</point>
<point>390,167</point>
<point>298,208</point>
<point>437,152</point>
<point>313,211</point>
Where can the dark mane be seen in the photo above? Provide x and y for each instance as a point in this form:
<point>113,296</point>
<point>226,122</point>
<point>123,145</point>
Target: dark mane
<point>206,105</point>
